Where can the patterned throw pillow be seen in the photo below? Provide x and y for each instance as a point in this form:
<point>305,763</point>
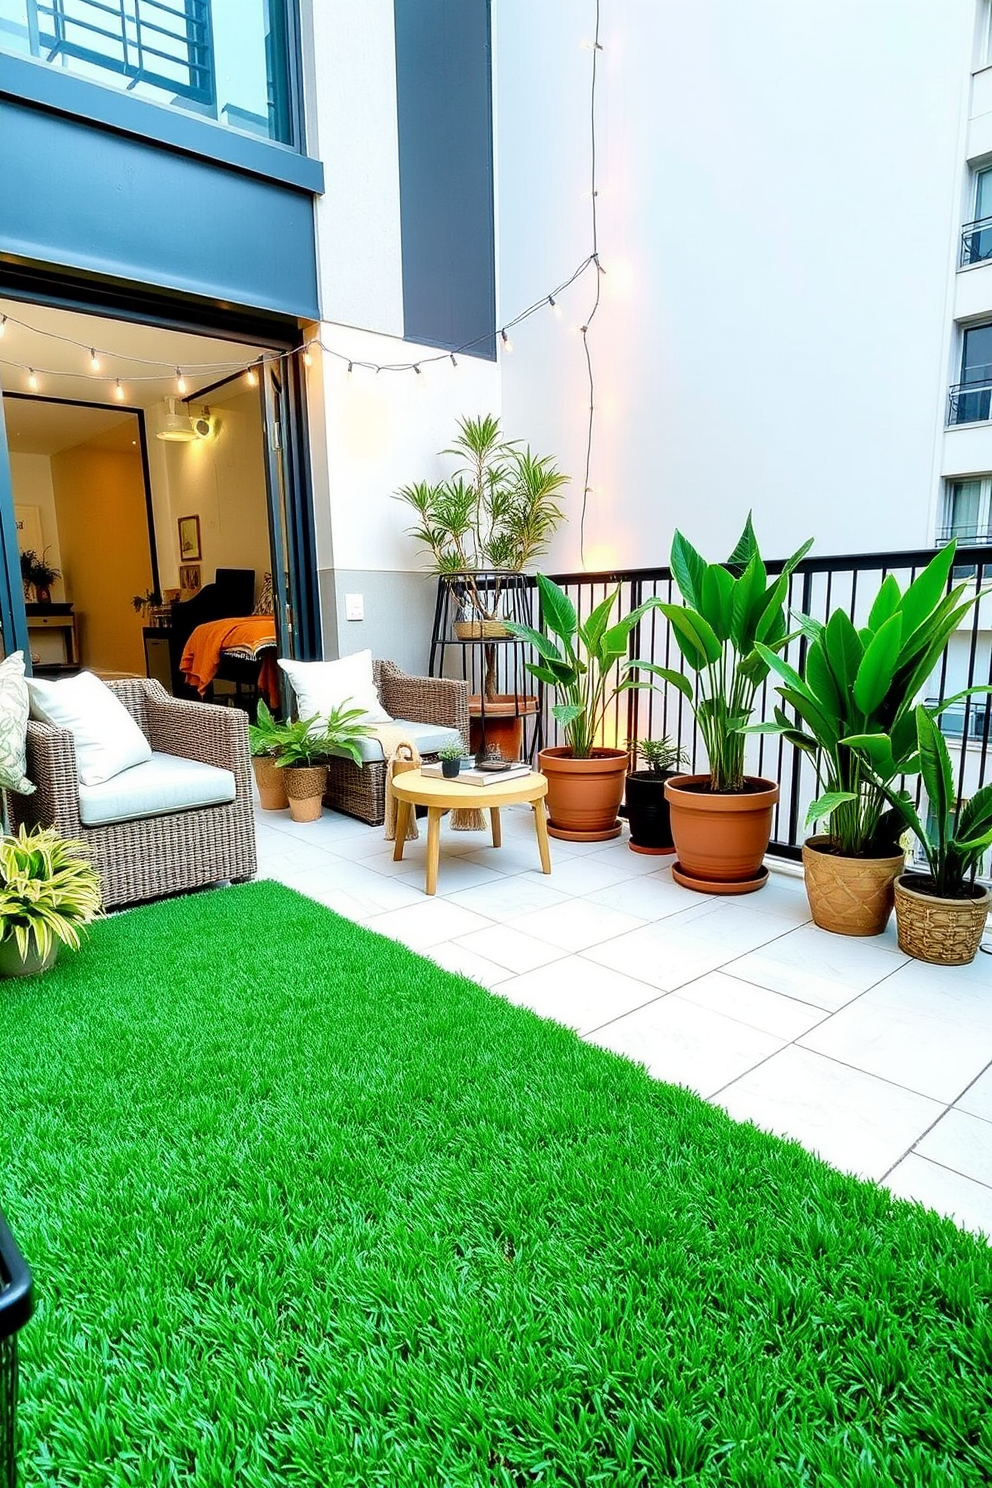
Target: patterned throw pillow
<point>13,725</point>
<point>265,604</point>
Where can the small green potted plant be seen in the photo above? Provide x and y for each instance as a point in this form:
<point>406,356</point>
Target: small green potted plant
<point>302,747</point>
<point>587,665</point>
<point>940,915</point>
<point>854,701</point>
<point>49,891</point>
<point>263,742</point>
<point>648,811</point>
<point>721,821</point>
<point>451,756</point>
<point>37,574</point>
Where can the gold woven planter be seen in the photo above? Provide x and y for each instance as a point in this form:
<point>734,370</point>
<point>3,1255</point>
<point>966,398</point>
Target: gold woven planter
<point>305,790</point>
<point>849,896</point>
<point>945,932</point>
<point>480,630</point>
<point>271,783</point>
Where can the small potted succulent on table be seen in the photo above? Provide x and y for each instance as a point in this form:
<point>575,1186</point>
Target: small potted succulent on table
<point>648,811</point>
<point>302,748</point>
<point>263,741</point>
<point>49,890</point>
<point>451,757</point>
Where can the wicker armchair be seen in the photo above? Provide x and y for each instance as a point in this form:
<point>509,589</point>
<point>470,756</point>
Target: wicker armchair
<point>157,854</point>
<point>361,791</point>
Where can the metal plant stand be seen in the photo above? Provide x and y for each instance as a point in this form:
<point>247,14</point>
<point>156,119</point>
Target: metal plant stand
<point>15,1308</point>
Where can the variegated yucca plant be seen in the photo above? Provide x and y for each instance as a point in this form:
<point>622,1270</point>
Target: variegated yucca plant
<point>49,890</point>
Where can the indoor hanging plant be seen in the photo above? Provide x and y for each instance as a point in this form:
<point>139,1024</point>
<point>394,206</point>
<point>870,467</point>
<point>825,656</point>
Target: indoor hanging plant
<point>648,811</point>
<point>302,747</point>
<point>854,699</point>
<point>482,527</point>
<point>49,890</point>
<point>588,666</point>
<point>941,915</point>
<point>721,821</point>
<point>263,742</point>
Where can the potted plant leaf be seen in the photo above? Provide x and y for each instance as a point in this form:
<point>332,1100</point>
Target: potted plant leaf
<point>39,575</point>
<point>648,811</point>
<point>49,890</point>
<point>941,915</point>
<point>854,700</point>
<point>263,742</point>
<point>587,665</point>
<point>302,747</point>
<point>721,821</point>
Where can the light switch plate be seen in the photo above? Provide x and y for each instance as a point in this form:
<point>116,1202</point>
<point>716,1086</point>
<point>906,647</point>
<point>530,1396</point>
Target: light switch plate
<point>354,607</point>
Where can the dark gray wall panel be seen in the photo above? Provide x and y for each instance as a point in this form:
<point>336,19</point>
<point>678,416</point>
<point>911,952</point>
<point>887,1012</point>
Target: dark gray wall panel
<point>444,110</point>
<point>92,199</point>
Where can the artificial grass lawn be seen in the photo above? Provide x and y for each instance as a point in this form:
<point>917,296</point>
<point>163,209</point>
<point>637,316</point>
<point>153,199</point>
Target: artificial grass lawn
<point>305,1209</point>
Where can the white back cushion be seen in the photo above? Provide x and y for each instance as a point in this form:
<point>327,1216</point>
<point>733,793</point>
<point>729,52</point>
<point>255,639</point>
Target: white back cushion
<point>321,686</point>
<point>106,737</point>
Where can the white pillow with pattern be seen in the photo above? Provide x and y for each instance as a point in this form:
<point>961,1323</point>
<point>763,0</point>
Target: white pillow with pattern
<point>14,706</point>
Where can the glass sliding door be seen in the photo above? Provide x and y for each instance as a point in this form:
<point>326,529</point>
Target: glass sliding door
<point>13,620</point>
<point>294,571</point>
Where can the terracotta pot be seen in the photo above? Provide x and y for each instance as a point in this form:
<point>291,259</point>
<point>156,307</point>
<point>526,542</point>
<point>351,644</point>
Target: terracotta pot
<point>945,932</point>
<point>305,789</point>
<point>849,896</point>
<point>13,964</point>
<point>271,783</point>
<point>721,838</point>
<point>648,812</point>
<point>583,794</point>
<point>505,716</point>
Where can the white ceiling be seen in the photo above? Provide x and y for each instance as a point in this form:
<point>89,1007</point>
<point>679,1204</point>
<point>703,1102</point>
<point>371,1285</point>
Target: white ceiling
<point>63,371</point>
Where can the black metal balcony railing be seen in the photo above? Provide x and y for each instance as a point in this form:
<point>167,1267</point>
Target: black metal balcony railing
<point>970,402</point>
<point>166,43</point>
<point>966,534</point>
<point>817,587</point>
<point>976,241</point>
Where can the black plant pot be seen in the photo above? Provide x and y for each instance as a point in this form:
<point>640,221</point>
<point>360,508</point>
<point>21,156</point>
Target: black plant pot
<point>648,813</point>
<point>450,768</point>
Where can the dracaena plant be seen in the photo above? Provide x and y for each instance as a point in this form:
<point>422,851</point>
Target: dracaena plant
<point>854,700</point>
<point>960,838</point>
<point>731,617</point>
<point>49,890</point>
<point>586,663</point>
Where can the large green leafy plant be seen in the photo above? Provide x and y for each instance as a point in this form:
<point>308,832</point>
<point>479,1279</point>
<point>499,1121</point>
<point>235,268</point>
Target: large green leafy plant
<point>959,839</point>
<point>265,733</point>
<point>305,742</point>
<point>49,890</point>
<point>586,663</point>
<point>732,618</point>
<point>855,698</point>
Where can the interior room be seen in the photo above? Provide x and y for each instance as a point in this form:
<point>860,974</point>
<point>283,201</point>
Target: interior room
<point>142,512</point>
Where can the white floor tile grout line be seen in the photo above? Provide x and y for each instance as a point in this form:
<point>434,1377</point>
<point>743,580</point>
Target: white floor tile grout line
<point>935,1164</point>
<point>911,1151</point>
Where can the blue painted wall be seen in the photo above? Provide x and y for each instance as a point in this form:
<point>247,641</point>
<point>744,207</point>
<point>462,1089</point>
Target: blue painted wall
<point>85,197</point>
<point>444,109</point>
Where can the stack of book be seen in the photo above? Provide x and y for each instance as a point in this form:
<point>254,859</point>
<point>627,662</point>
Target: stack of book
<point>469,775</point>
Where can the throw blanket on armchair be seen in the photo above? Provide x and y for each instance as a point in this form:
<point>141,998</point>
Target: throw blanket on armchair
<point>250,634</point>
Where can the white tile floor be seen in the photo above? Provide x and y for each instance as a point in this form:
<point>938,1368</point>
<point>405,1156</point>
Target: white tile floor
<point>880,1064</point>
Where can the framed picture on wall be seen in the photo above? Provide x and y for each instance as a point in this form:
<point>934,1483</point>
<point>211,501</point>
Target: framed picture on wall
<point>189,539</point>
<point>189,577</point>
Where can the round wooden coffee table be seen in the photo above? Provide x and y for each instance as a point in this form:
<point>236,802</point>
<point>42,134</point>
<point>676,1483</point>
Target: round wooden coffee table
<point>439,795</point>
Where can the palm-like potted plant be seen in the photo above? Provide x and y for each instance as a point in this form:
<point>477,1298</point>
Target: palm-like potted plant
<point>263,741</point>
<point>721,821</point>
<point>302,747</point>
<point>648,811</point>
<point>854,700</point>
<point>49,890</point>
<point>941,915</point>
<point>588,667</point>
<point>39,575</point>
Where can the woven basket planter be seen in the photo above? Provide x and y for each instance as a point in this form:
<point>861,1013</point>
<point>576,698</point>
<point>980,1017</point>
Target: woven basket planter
<point>849,896</point>
<point>271,782</point>
<point>305,790</point>
<point>945,932</point>
<point>480,630</point>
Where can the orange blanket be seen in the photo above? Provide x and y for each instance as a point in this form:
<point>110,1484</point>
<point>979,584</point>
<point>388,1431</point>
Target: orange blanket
<point>202,655</point>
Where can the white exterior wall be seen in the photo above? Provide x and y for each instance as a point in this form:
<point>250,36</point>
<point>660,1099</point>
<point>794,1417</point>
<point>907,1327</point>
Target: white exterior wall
<point>780,189</point>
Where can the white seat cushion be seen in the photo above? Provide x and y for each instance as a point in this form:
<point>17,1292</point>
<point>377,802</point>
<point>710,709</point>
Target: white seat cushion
<point>428,737</point>
<point>106,737</point>
<point>163,784</point>
<point>322,686</point>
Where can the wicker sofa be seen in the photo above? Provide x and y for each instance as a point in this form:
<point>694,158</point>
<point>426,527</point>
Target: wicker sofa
<point>361,791</point>
<point>162,854</point>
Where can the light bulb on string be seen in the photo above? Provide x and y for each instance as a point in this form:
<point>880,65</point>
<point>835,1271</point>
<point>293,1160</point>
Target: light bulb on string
<point>507,343</point>
<point>454,361</point>
<point>251,377</point>
<point>307,356</point>
<point>3,326</point>
<point>118,390</point>
<point>555,307</point>
<point>351,367</point>
<point>33,382</point>
<point>180,383</point>
<point>94,361</point>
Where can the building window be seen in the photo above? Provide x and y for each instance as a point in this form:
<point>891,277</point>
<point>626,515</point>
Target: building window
<point>976,236</point>
<point>966,515</point>
<point>970,400</point>
<point>224,60</point>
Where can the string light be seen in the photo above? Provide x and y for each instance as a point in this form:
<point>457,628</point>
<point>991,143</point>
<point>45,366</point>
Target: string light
<point>118,390</point>
<point>33,382</point>
<point>251,377</point>
<point>94,361</point>
<point>454,360</point>
<point>351,366</point>
<point>307,358</point>
<point>416,368</point>
<point>3,325</point>
<point>507,343</point>
<point>180,383</point>
<point>555,307</point>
